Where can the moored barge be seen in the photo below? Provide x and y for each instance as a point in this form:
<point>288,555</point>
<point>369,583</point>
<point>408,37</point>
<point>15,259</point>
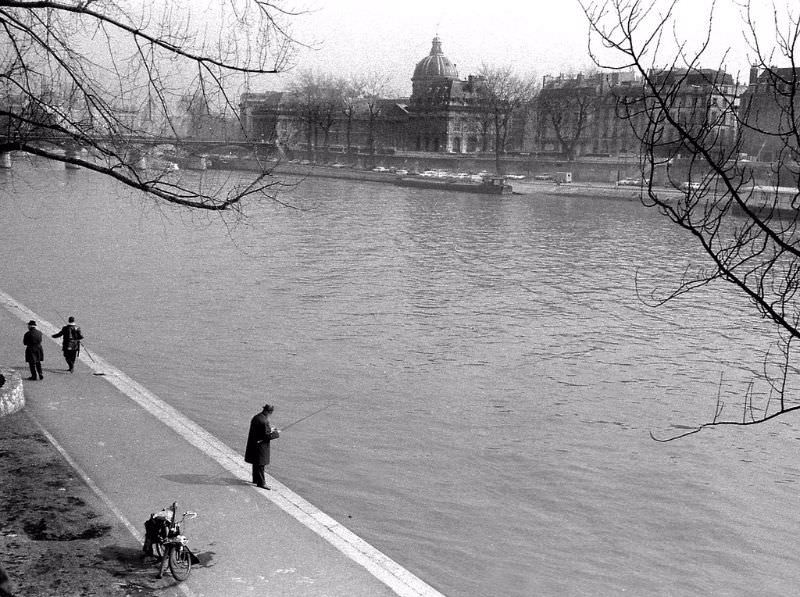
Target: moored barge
<point>491,185</point>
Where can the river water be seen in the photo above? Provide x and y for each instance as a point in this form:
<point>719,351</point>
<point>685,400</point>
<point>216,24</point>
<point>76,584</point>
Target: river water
<point>488,376</point>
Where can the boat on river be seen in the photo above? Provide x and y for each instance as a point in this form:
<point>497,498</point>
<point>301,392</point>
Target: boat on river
<point>490,185</point>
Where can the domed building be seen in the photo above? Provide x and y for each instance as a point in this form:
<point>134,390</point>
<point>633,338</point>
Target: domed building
<point>443,109</point>
<point>443,115</point>
<point>434,67</point>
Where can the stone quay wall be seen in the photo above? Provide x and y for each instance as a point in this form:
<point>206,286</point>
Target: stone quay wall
<point>12,398</point>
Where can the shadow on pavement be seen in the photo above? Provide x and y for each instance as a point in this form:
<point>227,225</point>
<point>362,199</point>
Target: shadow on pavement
<point>204,480</point>
<point>137,573</point>
<point>206,558</point>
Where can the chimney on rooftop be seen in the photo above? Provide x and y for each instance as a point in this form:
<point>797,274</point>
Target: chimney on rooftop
<point>753,74</point>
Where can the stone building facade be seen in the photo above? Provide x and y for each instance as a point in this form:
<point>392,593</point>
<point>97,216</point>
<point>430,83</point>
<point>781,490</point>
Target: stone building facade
<point>577,116</point>
<point>768,111</point>
<point>444,114</point>
<point>705,102</point>
<point>572,117</point>
<point>283,118</point>
<point>582,115</point>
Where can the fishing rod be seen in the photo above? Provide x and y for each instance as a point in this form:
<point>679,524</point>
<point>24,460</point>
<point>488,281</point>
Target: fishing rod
<point>89,353</point>
<point>316,412</point>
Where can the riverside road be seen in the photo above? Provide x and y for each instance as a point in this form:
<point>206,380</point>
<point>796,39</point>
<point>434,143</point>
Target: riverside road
<point>139,455</point>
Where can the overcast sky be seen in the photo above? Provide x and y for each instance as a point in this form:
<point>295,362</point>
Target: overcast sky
<point>358,35</point>
<point>544,37</point>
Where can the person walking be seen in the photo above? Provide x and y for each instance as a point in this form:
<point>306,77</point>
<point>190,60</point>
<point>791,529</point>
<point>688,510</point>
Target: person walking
<point>34,354</point>
<point>71,342</point>
<point>257,451</point>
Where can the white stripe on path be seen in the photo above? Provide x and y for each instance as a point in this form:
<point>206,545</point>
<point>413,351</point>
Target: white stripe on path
<point>98,492</point>
<point>389,572</point>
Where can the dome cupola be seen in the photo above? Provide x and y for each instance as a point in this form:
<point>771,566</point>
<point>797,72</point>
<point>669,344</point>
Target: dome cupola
<point>435,65</point>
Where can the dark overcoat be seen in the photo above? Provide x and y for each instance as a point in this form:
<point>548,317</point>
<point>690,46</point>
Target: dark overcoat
<point>71,337</point>
<point>33,346</point>
<point>257,450</point>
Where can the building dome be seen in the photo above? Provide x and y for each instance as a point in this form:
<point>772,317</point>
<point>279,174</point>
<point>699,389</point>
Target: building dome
<point>435,65</point>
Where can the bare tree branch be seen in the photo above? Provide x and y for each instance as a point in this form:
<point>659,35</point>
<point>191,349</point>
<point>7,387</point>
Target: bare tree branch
<point>695,126</point>
<point>109,77</point>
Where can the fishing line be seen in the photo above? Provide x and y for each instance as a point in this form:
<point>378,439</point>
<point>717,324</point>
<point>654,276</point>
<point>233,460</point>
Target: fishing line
<point>300,420</point>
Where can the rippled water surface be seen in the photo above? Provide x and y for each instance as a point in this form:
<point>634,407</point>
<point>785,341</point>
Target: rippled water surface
<point>488,378</point>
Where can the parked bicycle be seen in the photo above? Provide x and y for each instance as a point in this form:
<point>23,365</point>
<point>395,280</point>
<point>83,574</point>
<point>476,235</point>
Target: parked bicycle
<point>163,539</point>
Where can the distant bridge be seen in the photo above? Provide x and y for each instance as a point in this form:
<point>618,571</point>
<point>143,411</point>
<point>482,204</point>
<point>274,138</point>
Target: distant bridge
<point>190,146</point>
<point>135,148</point>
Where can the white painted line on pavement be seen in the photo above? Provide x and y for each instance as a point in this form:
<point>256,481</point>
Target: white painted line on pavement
<point>397,578</point>
<point>98,492</point>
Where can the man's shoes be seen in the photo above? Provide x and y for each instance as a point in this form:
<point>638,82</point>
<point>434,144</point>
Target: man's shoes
<point>41,377</point>
<point>31,378</point>
<point>262,486</point>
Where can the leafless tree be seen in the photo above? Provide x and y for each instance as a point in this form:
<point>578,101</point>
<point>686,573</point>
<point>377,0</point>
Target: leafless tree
<point>356,104</point>
<point>108,76</point>
<point>305,94</point>
<point>199,120</point>
<point>351,90</point>
<point>331,101</point>
<point>743,214</point>
<point>317,100</point>
<point>374,88</point>
<point>504,95</point>
<point>568,111</point>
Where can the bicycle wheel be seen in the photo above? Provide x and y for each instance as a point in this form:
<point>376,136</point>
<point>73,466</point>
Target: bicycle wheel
<point>180,564</point>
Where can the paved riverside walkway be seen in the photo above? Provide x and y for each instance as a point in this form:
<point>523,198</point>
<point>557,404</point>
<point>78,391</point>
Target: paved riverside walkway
<point>139,455</point>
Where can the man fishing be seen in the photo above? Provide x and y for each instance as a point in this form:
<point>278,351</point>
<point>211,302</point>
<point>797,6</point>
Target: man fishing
<point>257,451</point>
<point>71,337</point>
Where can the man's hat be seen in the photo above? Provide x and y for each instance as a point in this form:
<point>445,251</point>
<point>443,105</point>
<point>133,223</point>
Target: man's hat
<point>71,319</point>
<point>32,323</point>
<point>269,407</point>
